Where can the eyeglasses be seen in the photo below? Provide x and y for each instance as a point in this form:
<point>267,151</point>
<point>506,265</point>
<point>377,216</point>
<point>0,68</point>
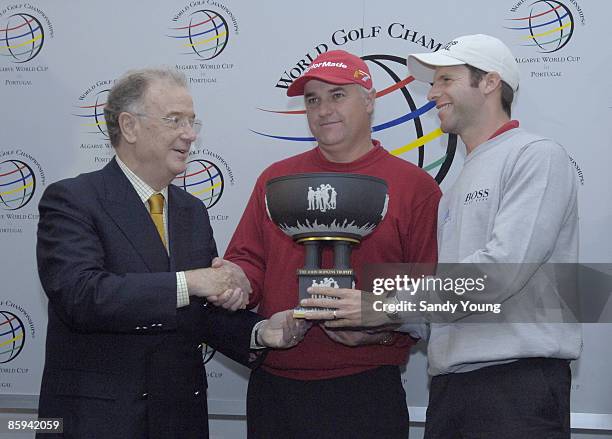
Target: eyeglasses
<point>175,122</point>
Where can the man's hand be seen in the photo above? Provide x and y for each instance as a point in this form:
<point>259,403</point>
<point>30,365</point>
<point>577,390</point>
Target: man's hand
<point>223,284</point>
<point>231,300</point>
<point>235,273</point>
<point>282,331</point>
<point>351,308</point>
<point>359,338</point>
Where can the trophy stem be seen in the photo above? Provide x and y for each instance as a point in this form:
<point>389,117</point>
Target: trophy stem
<point>342,254</point>
<point>313,256</point>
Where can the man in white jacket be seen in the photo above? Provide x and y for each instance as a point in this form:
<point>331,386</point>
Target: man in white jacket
<point>514,202</point>
<point>512,211</point>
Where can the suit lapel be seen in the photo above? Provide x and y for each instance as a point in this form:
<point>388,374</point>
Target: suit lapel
<point>180,221</point>
<point>126,209</point>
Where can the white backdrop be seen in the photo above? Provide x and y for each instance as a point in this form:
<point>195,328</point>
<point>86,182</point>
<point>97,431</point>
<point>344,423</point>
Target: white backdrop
<point>58,59</point>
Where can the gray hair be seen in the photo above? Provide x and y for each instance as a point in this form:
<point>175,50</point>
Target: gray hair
<point>127,95</point>
<point>365,92</point>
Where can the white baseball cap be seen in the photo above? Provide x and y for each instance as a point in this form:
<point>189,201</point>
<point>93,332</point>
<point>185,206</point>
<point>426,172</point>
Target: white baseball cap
<point>481,51</point>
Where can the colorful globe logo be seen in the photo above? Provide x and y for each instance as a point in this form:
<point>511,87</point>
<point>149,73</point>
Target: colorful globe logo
<point>549,26</point>
<point>17,184</point>
<point>204,33</point>
<point>203,180</point>
<point>21,37</point>
<point>403,132</point>
<point>92,115</point>
<point>420,148</point>
<point>12,336</point>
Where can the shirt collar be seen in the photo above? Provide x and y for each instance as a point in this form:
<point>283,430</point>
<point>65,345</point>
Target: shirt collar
<point>143,190</point>
<point>505,127</point>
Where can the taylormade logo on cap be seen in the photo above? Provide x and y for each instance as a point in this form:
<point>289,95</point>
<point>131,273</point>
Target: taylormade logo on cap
<point>334,67</point>
<point>326,64</point>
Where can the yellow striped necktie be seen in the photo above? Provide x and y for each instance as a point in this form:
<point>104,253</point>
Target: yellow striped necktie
<point>156,208</point>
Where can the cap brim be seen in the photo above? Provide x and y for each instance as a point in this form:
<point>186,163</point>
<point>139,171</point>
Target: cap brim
<point>297,87</point>
<point>423,65</point>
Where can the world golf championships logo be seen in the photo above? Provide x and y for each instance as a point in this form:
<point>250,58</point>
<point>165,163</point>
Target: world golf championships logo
<point>91,113</point>
<point>202,179</point>
<point>549,26</point>
<point>203,33</point>
<point>386,67</point>
<point>12,336</point>
<point>17,184</point>
<point>21,37</point>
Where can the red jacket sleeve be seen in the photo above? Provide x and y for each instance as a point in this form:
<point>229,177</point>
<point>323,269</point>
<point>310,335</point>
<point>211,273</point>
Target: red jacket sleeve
<point>246,247</point>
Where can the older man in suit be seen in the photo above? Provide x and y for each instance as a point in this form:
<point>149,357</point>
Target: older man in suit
<point>125,260</point>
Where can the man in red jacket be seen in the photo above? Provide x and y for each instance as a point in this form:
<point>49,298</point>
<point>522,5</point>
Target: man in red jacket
<point>334,384</point>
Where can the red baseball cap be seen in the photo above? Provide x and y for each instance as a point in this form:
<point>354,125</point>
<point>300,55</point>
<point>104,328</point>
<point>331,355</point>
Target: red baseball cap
<point>335,67</point>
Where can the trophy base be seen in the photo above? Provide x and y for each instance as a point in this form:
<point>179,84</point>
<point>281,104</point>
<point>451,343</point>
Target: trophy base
<point>321,277</point>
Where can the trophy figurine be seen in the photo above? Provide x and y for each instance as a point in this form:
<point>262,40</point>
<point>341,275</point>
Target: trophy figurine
<point>326,209</point>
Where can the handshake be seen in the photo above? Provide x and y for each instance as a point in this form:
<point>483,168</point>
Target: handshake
<point>224,284</point>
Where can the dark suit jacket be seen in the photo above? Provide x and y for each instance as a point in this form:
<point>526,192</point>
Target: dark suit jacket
<point>121,360</point>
